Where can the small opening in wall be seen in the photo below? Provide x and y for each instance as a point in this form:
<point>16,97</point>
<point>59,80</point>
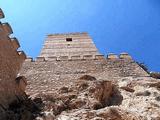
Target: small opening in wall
<point>69,39</point>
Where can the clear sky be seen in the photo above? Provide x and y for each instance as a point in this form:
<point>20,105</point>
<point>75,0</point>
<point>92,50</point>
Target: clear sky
<point>115,25</point>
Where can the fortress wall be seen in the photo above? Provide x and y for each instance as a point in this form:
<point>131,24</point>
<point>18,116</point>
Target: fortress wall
<point>66,57</point>
<point>46,76</point>
<point>10,63</point>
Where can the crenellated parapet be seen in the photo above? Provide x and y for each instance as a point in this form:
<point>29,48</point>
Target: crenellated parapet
<point>29,59</point>
<point>7,28</point>
<point>15,43</point>
<point>68,34</point>
<point>10,63</point>
<point>56,71</point>
<point>123,55</point>
<point>110,56</point>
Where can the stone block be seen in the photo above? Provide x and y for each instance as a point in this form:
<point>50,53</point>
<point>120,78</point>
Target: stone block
<point>40,59</point>
<point>7,28</point>
<point>22,55</point>
<point>15,43</point>
<point>112,56</point>
<point>99,57</point>
<point>76,57</point>
<point>125,56</point>
<point>63,58</point>
<point>53,58</point>
<point>29,59</point>
<point>88,57</point>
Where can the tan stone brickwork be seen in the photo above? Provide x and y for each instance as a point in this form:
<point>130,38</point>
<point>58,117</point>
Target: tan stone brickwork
<point>62,62</point>
<point>10,63</point>
<point>46,76</point>
<point>71,44</point>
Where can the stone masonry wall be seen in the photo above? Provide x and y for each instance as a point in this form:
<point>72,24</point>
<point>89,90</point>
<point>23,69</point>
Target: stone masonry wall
<point>46,76</point>
<point>10,63</point>
<point>71,44</point>
<point>66,57</point>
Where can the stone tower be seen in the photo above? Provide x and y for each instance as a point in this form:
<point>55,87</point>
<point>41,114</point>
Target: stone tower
<point>71,45</point>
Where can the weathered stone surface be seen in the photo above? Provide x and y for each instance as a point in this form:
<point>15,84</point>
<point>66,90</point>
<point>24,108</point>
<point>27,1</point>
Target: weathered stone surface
<point>111,113</point>
<point>53,74</point>
<point>71,44</point>
<point>92,99</point>
<point>142,102</point>
<point>15,43</point>
<point>112,56</point>
<point>7,28</point>
<point>85,93</point>
<point>125,56</point>
<point>10,64</point>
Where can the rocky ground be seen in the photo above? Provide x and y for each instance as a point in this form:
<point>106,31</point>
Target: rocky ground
<point>91,99</point>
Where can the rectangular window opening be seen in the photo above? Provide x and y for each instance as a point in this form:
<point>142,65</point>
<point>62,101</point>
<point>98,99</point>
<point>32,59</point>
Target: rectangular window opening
<point>69,39</point>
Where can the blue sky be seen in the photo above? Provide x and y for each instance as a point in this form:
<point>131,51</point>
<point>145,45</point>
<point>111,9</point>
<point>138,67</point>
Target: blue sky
<point>115,25</point>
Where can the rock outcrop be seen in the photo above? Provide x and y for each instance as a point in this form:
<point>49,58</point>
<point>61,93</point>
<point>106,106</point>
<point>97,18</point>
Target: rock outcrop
<point>91,99</point>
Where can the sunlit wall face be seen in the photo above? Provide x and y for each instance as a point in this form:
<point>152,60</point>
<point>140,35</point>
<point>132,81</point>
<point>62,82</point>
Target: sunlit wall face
<point>115,25</point>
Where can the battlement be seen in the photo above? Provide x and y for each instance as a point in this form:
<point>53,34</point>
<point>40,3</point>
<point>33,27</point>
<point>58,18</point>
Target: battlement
<point>125,55</point>
<point>7,28</point>
<point>10,63</point>
<point>15,43</point>
<point>110,56</point>
<point>64,70</point>
<point>68,34</point>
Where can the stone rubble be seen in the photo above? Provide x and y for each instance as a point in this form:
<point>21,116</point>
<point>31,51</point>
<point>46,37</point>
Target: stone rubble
<point>92,99</point>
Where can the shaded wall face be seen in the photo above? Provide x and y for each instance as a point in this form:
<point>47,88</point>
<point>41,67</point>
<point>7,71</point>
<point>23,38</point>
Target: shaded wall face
<point>10,63</point>
<point>76,44</point>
